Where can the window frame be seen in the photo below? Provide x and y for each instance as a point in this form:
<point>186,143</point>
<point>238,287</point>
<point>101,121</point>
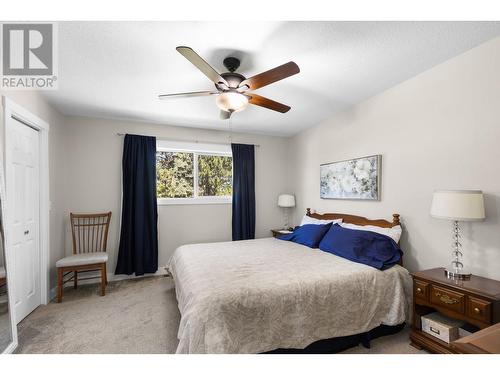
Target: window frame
<point>195,149</point>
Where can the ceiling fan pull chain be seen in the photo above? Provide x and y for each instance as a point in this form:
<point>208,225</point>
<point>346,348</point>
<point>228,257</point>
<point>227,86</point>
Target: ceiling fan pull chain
<point>230,130</point>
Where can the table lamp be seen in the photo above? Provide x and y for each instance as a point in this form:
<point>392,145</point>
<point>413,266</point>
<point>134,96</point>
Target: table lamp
<point>458,205</point>
<point>286,201</point>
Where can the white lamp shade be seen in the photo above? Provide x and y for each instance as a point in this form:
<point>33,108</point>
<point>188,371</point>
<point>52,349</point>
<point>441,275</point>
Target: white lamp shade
<point>286,200</point>
<point>460,205</point>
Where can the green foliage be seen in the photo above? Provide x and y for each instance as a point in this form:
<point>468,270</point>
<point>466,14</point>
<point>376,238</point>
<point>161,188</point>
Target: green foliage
<point>175,175</point>
<point>215,175</point>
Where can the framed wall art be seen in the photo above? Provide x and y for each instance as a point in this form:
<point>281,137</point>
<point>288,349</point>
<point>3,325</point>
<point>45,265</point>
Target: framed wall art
<point>351,179</point>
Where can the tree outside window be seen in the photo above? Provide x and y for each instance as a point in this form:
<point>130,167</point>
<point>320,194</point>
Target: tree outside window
<point>177,173</point>
<point>215,175</point>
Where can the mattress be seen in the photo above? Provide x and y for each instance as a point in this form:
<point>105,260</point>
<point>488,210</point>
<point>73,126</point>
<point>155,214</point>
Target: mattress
<point>259,295</point>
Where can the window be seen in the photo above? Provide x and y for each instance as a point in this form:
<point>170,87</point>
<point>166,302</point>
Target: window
<point>193,173</point>
<point>174,174</point>
<point>215,175</point>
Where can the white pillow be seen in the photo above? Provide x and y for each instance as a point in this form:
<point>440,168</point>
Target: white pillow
<point>394,232</point>
<point>310,220</point>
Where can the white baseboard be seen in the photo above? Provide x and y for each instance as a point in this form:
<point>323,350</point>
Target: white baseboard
<point>10,349</point>
<point>111,277</point>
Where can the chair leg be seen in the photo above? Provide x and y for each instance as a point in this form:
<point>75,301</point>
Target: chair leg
<point>59,284</point>
<point>75,279</point>
<point>106,273</point>
<point>103,279</point>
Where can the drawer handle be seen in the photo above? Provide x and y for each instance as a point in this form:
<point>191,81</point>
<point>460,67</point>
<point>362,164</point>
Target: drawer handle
<point>446,299</point>
<point>419,290</point>
<point>477,311</point>
<point>436,331</point>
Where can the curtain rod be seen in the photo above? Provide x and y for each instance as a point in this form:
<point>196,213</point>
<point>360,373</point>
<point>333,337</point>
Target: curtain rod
<point>181,140</point>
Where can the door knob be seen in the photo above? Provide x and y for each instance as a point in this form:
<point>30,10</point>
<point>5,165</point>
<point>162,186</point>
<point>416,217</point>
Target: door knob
<point>26,232</point>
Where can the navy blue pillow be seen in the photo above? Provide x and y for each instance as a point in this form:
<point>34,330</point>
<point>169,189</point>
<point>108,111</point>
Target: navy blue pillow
<point>309,234</point>
<point>361,246</point>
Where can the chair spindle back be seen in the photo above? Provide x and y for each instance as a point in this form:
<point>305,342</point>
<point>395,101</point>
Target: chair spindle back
<point>90,232</point>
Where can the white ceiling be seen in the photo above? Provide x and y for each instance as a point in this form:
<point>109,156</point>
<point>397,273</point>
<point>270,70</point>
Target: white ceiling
<point>117,69</point>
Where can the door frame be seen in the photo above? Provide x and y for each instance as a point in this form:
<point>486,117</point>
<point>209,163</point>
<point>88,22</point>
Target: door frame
<point>14,111</point>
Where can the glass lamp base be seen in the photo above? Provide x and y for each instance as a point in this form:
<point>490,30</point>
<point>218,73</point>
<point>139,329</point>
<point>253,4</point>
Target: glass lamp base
<point>457,274</point>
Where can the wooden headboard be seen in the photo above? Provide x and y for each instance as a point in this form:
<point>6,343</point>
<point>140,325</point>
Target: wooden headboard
<point>358,220</point>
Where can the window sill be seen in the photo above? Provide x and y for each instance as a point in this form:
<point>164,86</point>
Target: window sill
<point>189,201</point>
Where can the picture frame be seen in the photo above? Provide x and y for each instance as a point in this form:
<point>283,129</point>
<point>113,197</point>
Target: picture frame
<point>352,179</point>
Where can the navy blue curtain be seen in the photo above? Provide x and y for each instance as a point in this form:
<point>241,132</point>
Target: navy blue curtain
<point>138,251</point>
<point>243,192</point>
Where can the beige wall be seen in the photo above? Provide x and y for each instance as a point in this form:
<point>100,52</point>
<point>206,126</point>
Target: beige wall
<point>36,104</point>
<point>92,169</point>
<point>438,130</point>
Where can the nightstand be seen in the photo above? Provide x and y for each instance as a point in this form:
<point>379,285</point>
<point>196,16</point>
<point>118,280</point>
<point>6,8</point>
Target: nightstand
<point>279,232</point>
<point>486,341</point>
<point>475,301</point>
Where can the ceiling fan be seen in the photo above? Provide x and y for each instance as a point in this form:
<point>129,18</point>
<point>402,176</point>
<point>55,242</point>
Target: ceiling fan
<point>233,89</point>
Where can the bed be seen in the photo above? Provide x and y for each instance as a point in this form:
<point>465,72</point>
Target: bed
<point>261,295</point>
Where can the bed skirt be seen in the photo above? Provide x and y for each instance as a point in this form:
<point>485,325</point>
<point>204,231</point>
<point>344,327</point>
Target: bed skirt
<point>338,344</point>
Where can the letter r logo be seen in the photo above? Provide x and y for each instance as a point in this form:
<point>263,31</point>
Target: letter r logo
<point>27,49</point>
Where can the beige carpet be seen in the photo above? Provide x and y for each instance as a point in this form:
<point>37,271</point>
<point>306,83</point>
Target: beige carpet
<point>135,316</point>
<point>5,331</point>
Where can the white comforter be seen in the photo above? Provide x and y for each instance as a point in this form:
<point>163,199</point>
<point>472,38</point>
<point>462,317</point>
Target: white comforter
<point>259,295</point>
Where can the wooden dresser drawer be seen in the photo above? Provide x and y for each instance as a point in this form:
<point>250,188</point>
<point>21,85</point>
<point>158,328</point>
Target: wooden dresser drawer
<point>421,290</point>
<point>447,298</point>
<point>479,309</point>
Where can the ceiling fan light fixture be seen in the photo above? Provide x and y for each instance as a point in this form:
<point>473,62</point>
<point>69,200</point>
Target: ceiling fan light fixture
<point>231,101</point>
<point>232,87</point>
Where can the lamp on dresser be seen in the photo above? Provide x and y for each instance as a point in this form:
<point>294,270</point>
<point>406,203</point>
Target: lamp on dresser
<point>458,205</point>
<point>286,201</point>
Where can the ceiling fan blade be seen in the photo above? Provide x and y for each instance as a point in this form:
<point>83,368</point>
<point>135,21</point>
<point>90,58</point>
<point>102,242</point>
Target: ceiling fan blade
<point>267,103</point>
<point>224,115</point>
<point>187,94</point>
<point>270,76</point>
<point>201,64</point>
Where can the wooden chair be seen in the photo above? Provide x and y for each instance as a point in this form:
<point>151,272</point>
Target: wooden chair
<point>90,237</point>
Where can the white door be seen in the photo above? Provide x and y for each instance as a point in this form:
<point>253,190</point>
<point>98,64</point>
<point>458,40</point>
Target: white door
<point>22,191</point>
